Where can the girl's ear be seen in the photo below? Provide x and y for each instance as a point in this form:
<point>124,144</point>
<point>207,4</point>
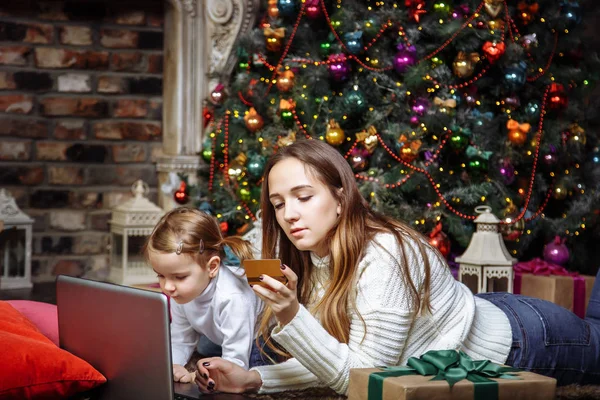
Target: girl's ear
<point>213,266</point>
<point>339,206</point>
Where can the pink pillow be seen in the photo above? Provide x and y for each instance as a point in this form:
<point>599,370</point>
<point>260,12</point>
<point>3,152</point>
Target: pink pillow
<point>42,315</point>
<point>32,367</point>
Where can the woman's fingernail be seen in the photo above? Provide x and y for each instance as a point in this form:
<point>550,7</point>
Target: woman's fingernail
<point>260,278</point>
<point>205,376</point>
<point>283,266</point>
<point>211,386</point>
<point>206,364</point>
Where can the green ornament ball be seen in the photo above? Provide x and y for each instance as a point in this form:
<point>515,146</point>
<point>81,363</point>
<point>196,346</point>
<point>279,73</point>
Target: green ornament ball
<point>255,166</point>
<point>337,20</point>
<point>325,49</point>
<point>207,150</point>
<point>287,117</point>
<point>371,27</point>
<point>442,7</point>
<point>478,165</point>
<point>243,65</point>
<point>458,141</point>
<point>244,193</point>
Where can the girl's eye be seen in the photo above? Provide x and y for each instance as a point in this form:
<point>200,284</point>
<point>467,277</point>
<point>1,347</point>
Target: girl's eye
<point>180,278</point>
<point>159,276</point>
<point>305,198</point>
<point>277,206</point>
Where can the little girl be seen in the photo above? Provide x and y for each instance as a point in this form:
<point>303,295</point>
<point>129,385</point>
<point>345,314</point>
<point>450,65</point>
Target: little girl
<point>185,250</point>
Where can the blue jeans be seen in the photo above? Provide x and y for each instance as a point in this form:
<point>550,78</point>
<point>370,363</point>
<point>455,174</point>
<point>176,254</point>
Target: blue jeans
<point>550,340</point>
<point>210,349</point>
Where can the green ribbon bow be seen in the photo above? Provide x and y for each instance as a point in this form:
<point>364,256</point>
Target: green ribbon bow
<point>474,152</point>
<point>448,365</point>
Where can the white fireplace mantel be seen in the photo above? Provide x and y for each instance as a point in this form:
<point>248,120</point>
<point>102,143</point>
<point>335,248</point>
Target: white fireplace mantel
<point>199,39</point>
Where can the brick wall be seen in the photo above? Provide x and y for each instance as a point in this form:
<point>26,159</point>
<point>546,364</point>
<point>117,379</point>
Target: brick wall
<point>80,120</point>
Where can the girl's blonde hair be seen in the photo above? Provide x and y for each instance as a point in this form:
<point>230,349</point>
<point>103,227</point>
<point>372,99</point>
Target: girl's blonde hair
<point>189,231</point>
<point>357,225</point>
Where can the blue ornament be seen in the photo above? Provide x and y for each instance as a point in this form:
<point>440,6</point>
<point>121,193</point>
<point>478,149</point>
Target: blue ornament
<point>354,101</point>
<point>457,97</point>
<point>515,75</point>
<point>287,8</point>
<point>532,110</point>
<point>206,207</point>
<point>595,156</point>
<point>353,41</point>
<point>570,11</point>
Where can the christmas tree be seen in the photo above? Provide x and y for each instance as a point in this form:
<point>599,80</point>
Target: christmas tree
<point>438,107</point>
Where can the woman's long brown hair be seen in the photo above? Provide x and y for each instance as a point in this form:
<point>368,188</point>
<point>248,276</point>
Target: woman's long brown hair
<point>357,225</point>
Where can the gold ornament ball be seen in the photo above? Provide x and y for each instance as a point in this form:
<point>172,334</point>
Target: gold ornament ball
<point>335,136</point>
<point>235,169</point>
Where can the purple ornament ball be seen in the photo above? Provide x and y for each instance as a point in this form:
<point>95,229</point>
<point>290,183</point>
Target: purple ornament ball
<point>556,252</point>
<point>339,69</point>
<point>507,171</point>
<point>414,120</point>
<point>403,60</point>
<point>420,106</point>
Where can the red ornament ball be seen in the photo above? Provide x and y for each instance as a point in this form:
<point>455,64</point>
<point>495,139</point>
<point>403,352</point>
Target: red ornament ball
<point>181,195</point>
<point>440,240</point>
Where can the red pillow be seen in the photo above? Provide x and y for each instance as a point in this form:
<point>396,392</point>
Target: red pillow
<point>31,366</point>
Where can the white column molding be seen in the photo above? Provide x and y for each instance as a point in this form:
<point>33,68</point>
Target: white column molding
<point>199,39</point>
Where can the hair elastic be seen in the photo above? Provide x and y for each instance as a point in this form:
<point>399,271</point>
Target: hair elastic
<point>179,248</point>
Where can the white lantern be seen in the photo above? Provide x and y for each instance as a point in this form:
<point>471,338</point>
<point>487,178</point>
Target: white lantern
<point>131,224</point>
<point>15,244</point>
<point>486,256</point>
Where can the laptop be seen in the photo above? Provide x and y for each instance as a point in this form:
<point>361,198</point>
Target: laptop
<point>124,333</point>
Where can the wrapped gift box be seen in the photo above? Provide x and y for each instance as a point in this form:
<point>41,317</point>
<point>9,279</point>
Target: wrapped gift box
<point>417,387</point>
<point>557,289</point>
<point>540,279</point>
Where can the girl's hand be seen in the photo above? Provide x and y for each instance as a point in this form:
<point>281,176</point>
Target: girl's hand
<point>217,374</point>
<point>282,298</point>
<point>180,374</point>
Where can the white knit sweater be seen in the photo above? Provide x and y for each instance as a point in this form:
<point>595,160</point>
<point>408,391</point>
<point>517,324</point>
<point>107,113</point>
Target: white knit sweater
<point>458,320</point>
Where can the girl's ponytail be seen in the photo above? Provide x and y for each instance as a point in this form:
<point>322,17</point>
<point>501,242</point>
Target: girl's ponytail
<point>240,247</point>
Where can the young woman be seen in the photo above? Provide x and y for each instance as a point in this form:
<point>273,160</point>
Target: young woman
<point>186,250</point>
<point>364,290</point>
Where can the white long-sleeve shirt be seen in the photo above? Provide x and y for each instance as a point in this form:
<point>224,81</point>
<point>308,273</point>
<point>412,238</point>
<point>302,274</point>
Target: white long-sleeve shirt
<point>458,320</point>
<point>225,312</point>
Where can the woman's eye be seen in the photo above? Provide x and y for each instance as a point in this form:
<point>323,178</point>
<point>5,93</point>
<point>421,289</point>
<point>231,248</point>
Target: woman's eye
<point>278,206</point>
<point>305,198</point>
